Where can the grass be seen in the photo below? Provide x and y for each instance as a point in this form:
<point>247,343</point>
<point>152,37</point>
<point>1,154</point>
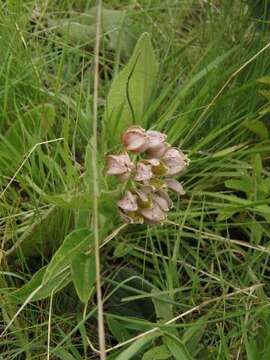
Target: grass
<point>202,278</point>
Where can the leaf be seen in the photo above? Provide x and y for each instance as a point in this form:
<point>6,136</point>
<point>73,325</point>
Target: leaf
<point>81,29</point>
<point>136,347</point>
<point>163,307</point>
<point>177,347</point>
<point>44,233</point>
<point>83,270</point>
<point>251,350</point>
<point>62,354</point>
<point>138,80</point>
<point>193,335</point>
<point>118,330</point>
<point>265,93</point>
<point>257,166</point>
<point>258,127</point>
<point>264,80</point>
<point>69,200</point>
<point>157,353</point>
<point>244,184</point>
<point>122,249</point>
<point>28,130</point>
<point>76,242</point>
<point>56,284</point>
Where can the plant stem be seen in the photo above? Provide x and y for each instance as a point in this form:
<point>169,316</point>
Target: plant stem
<point>101,331</point>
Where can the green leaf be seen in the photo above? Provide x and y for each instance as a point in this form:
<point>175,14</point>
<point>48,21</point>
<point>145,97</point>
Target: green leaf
<point>163,306</point>
<point>75,243</point>
<point>56,284</point>
<point>63,354</point>
<point>30,129</point>
<point>131,91</point>
<point>258,127</point>
<point>83,270</point>
<point>257,166</point>
<point>177,347</point>
<point>136,347</point>
<point>157,353</point>
<point>69,200</point>
<point>44,233</point>
<point>81,29</point>
<point>192,336</point>
<point>118,329</point>
<point>122,249</point>
<point>244,184</point>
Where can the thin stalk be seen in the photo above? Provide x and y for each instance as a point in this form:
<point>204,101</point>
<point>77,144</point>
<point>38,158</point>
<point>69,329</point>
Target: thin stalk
<point>101,331</point>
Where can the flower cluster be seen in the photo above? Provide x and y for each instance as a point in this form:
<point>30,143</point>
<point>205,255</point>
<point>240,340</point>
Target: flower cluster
<point>148,177</point>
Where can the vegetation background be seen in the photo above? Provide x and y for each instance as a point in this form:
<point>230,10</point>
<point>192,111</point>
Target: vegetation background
<point>201,280</point>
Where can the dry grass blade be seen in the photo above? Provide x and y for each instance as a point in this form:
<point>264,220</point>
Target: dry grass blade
<point>101,331</point>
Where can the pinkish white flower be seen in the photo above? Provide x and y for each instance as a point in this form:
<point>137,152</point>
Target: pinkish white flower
<point>175,160</point>
<point>148,202</point>
<point>175,186</point>
<point>119,165</point>
<point>163,200</point>
<point>134,139</point>
<point>158,151</point>
<point>154,214</point>
<point>128,203</point>
<point>143,171</point>
<point>155,139</point>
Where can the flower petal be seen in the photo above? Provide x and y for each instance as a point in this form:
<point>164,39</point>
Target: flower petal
<point>158,151</point>
<point>162,202</point>
<point>155,138</point>
<point>175,160</point>
<point>154,213</point>
<point>175,186</point>
<point>118,164</point>
<point>134,139</point>
<point>128,202</point>
<point>143,172</point>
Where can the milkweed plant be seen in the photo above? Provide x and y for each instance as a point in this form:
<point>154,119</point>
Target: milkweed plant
<point>147,166</point>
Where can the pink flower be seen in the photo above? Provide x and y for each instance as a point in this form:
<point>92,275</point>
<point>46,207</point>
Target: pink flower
<point>158,151</point>
<point>175,186</point>
<point>175,160</point>
<point>134,139</point>
<point>120,166</point>
<point>155,145</point>
<point>162,198</point>
<point>143,171</point>
<point>128,203</point>
<point>155,138</point>
<point>154,214</point>
<point>146,198</point>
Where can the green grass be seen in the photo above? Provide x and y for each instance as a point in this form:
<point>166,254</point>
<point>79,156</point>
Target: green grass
<point>209,263</point>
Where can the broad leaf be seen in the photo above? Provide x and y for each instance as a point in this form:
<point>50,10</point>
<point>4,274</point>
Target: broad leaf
<point>83,270</point>
<point>118,329</point>
<point>131,91</point>
<point>57,283</point>
<point>81,29</point>
<point>136,347</point>
<point>157,353</point>
<point>75,243</point>
<point>177,347</point>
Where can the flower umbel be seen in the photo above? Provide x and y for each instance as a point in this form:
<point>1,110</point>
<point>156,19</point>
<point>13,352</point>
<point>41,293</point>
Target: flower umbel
<point>148,177</point>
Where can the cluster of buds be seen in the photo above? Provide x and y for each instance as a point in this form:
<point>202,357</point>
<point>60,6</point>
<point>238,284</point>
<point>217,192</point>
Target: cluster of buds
<point>148,176</point>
